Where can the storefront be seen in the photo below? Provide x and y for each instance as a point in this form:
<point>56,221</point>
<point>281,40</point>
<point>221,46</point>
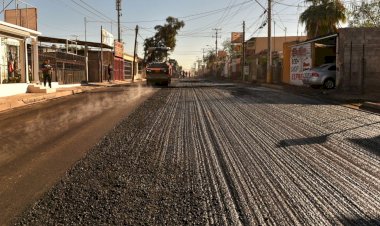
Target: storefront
<point>15,72</point>
<point>301,56</point>
<point>118,65</point>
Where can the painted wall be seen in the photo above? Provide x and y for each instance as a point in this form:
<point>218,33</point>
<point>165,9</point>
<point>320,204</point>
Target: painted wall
<point>277,42</point>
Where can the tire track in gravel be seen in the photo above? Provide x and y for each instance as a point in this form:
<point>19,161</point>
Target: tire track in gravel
<point>225,156</point>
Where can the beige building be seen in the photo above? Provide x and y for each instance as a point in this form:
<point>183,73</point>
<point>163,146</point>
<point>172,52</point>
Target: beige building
<point>257,45</point>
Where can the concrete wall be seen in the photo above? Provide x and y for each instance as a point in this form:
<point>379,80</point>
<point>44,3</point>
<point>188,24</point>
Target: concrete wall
<point>12,89</point>
<point>358,59</point>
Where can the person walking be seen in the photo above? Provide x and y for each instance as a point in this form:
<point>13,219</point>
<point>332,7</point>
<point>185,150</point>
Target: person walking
<point>110,70</point>
<point>46,71</point>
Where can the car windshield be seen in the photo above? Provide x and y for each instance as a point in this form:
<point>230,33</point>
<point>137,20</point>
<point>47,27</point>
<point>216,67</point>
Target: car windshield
<point>324,65</point>
<point>157,64</point>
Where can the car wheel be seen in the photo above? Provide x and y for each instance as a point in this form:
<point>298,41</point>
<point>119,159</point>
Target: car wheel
<point>329,84</point>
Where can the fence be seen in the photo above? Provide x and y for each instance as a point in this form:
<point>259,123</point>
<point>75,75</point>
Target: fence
<point>68,68</point>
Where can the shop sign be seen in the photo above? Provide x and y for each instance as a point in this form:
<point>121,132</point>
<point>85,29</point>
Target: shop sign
<point>237,48</point>
<point>107,38</point>
<point>237,37</point>
<point>119,49</point>
<point>300,61</point>
<point>222,54</point>
<point>246,70</point>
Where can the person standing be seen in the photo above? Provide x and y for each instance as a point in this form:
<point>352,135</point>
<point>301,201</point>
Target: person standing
<point>46,72</point>
<point>30,73</point>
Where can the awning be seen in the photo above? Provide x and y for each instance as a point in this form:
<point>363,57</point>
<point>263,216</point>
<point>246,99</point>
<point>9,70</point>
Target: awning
<point>315,40</point>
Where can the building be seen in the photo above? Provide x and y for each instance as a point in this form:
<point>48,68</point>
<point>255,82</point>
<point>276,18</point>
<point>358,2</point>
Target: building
<point>14,68</point>
<point>356,52</point>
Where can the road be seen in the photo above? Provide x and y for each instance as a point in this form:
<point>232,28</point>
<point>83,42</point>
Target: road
<point>40,142</point>
<point>223,154</point>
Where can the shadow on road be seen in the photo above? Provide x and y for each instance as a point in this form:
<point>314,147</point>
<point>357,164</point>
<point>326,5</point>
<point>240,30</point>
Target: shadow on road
<point>370,144</point>
<point>360,221</point>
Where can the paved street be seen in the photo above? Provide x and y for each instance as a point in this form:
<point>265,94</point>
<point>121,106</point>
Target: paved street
<point>223,154</point>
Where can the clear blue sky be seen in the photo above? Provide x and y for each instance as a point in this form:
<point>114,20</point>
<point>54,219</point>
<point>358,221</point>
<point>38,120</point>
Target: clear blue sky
<point>65,18</point>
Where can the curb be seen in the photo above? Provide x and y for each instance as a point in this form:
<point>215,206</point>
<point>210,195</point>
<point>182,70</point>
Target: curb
<point>371,106</point>
<point>366,106</point>
<point>8,105</point>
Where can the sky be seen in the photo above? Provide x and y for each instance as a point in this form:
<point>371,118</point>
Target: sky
<point>65,19</point>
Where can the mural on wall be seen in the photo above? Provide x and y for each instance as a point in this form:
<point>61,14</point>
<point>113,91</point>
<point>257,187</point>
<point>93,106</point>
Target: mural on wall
<point>300,61</point>
<point>9,60</point>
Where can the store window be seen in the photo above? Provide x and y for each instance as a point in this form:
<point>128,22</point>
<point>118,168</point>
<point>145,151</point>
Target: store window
<point>10,69</point>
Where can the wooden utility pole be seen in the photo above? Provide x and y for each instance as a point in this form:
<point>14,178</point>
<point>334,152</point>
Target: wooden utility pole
<point>118,9</point>
<point>216,47</point>
<point>134,54</point>
<point>269,56</point>
<point>86,48</point>
<point>101,54</point>
<point>243,54</point>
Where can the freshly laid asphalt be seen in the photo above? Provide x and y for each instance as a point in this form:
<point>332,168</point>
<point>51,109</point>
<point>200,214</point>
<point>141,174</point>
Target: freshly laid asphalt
<point>202,153</point>
<point>369,101</point>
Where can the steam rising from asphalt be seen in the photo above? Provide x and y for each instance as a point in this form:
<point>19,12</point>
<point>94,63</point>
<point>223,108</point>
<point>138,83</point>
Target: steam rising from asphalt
<point>32,131</point>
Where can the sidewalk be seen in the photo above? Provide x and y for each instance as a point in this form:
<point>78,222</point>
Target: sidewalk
<point>367,101</point>
<point>10,102</point>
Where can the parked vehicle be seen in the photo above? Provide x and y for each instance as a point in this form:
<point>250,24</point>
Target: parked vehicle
<point>323,75</point>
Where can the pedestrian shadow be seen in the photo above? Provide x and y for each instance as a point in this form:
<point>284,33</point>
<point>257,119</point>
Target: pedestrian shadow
<point>360,221</point>
<point>370,144</point>
<point>303,141</point>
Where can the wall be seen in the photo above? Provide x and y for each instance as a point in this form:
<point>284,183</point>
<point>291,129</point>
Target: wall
<point>358,59</point>
<point>277,42</point>
<point>94,73</point>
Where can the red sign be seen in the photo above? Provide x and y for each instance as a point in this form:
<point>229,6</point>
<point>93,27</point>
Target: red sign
<point>119,49</point>
<point>237,37</point>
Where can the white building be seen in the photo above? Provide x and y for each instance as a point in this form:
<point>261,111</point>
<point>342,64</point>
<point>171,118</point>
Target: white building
<point>14,72</point>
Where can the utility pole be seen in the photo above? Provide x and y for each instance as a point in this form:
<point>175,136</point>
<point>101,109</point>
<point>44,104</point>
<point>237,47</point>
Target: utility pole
<point>216,44</point>
<point>274,35</point>
<point>243,54</point>
<point>269,56</point>
<point>85,48</point>
<point>118,9</point>
<point>134,54</point>
<point>101,54</point>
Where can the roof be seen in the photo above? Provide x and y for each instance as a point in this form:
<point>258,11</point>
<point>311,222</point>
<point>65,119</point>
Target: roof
<point>63,41</point>
<point>18,30</point>
<point>316,39</point>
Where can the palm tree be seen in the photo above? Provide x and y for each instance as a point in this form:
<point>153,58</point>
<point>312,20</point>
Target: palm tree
<point>322,17</point>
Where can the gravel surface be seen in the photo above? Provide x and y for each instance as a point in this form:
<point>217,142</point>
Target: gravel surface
<point>225,156</point>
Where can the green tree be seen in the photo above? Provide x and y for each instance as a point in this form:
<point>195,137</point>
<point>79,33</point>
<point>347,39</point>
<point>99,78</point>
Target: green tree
<point>322,17</point>
<point>366,14</point>
<point>165,36</point>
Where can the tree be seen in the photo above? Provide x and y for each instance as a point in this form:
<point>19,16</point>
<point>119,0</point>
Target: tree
<point>165,36</point>
<point>322,17</point>
<point>367,14</point>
